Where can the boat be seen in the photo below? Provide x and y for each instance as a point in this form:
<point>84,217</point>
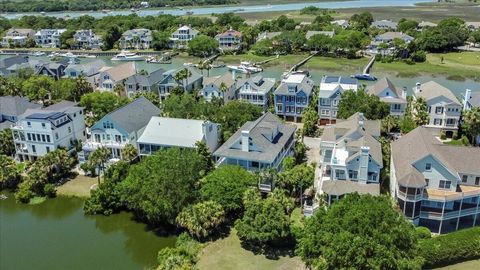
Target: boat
<point>127,56</point>
<point>364,77</point>
<point>189,12</point>
<point>217,65</point>
<point>53,54</point>
<point>246,67</point>
<point>188,64</point>
<point>105,11</point>
<point>38,54</point>
<point>155,60</point>
<point>69,55</point>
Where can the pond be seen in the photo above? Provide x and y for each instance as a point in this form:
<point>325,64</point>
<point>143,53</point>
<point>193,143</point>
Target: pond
<point>57,235</point>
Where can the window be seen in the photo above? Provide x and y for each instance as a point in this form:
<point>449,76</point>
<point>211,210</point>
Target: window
<point>451,121</point>
<point>43,125</point>
<point>445,184</point>
<point>464,178</point>
<point>29,136</point>
<point>340,174</point>
<point>69,130</point>
<point>56,136</point>
<point>279,107</point>
<point>427,181</point>
<point>43,137</point>
<point>48,138</point>
<point>335,102</point>
<point>34,150</point>
<point>477,180</point>
<point>29,124</point>
<point>325,112</point>
<point>38,137</point>
<point>396,107</point>
<point>428,166</point>
<point>437,122</point>
<point>47,149</point>
<point>352,174</point>
<point>438,110</point>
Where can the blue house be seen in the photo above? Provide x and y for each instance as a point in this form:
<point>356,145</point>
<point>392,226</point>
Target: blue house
<point>293,96</point>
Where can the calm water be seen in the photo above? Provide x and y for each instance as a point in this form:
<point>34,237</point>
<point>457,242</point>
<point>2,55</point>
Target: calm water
<point>237,8</point>
<point>56,235</point>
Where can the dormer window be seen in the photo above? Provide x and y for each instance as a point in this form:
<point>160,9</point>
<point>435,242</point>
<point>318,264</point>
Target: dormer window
<point>428,166</point>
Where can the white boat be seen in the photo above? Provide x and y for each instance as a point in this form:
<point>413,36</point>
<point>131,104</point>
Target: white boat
<point>127,56</point>
<point>246,67</point>
<point>188,64</point>
<point>38,54</point>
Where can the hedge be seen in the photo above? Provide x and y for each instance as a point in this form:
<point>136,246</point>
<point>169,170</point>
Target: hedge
<point>451,248</point>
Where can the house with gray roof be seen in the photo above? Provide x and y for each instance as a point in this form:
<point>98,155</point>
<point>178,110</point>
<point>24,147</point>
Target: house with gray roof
<point>11,107</point>
<point>342,23</point>
<point>259,144</point>
<point>121,127</point>
<point>222,87</point>
<point>169,82</point>
<point>267,35</point>
<point>330,94</point>
<point>55,70</point>
<point>351,158</point>
<point>435,185</point>
<point>329,34</point>
<point>17,37</point>
<point>144,82</point>
<point>387,38</point>
<point>164,132</point>
<point>49,38</point>
<point>385,25</point>
<point>425,24</point>
<point>89,71</point>
<point>471,99</point>
<point>6,64</point>
<point>293,95</point>
<point>140,38</point>
<point>182,36</point>
<point>109,78</point>
<point>256,90</point>
<point>444,108</point>
<point>87,39</point>
<point>387,92</point>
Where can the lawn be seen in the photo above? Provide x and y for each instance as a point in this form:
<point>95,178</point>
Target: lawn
<point>228,254</point>
<point>475,264</point>
<point>77,187</point>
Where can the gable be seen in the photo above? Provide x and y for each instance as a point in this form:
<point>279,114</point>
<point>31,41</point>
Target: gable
<point>387,92</point>
<point>336,94</point>
<point>439,100</point>
<point>105,121</point>
<point>437,171</point>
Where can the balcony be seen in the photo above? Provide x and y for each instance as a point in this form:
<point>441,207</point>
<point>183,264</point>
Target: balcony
<point>448,215</point>
<point>92,145</point>
<point>409,197</point>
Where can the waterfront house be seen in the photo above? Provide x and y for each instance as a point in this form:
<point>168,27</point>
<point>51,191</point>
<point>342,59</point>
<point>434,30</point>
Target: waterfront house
<point>330,94</point>
<point>259,144</point>
<point>109,78</point>
<point>17,37</point>
<point>292,96</point>
<point>435,185</point>
<point>471,99</point>
<point>118,128</point>
<point>256,90</point>
<point>90,71</point>
<point>472,26</point>
<point>39,131</point>
<point>144,82</point>
<point>389,93</point>
<point>222,87</point>
<point>136,39</point>
<point>342,23</point>
<point>230,40</point>
<point>55,70</point>
<point>351,158</point>
<point>168,83</point>
<point>267,35</point>
<point>163,132</point>
<point>444,109</point>
<point>182,36</point>
<point>11,107</point>
<point>385,25</point>
<point>87,39</point>
<point>49,38</point>
<point>6,64</point>
<point>387,38</point>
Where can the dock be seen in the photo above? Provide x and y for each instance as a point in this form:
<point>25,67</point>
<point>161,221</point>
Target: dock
<point>210,59</point>
<point>367,68</point>
<point>301,63</point>
<point>266,60</point>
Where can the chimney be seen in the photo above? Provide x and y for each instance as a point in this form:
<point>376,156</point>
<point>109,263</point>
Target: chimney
<point>418,87</point>
<point>468,96</point>
<point>361,119</point>
<point>245,140</point>
<point>363,164</point>
<point>404,92</point>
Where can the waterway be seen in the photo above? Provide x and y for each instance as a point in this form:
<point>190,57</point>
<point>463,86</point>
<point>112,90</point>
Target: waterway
<point>233,8</point>
<point>56,235</point>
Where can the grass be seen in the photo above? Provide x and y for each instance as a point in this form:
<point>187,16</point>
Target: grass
<point>228,254</point>
<point>77,187</point>
<point>468,265</point>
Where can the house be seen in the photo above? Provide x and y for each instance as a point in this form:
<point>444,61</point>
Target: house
<point>230,40</point>
<point>144,82</point>
<point>435,185</point>
<point>39,131</point>
<point>162,132</point>
<point>425,24</point>
<point>388,37</point>
<point>342,23</point>
<point>87,39</point>
<point>90,71</point>
<point>389,93</point>
<point>182,36</point>
<point>302,25</point>
<point>292,96</point>
<point>136,39</point>
<point>472,26</point>
<point>11,107</point>
<point>194,81</point>
<point>109,78</point>
<point>55,70</point>
<point>330,94</point>
<point>256,90</point>
<point>444,109</point>
<point>385,25</point>
<point>471,99</point>
<point>267,35</point>
<point>118,128</point>
<point>350,157</point>
<point>17,37</point>
<point>49,38</point>
<point>329,34</point>
<point>222,87</point>
<point>259,144</point>
<point>6,64</point>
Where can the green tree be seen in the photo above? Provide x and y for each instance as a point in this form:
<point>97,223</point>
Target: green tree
<point>300,152</point>
<point>112,35</point>
<point>98,104</point>
<point>169,186</point>
<point>151,96</point>
<point>182,77</point>
<point>361,101</point>
<point>38,88</point>
<point>183,256</point>
<point>202,218</point>
<point>340,237</point>
<point>226,186</point>
<point>407,124</point>
<point>388,123</point>
<point>66,39</point>
<point>320,42</point>
<point>7,146</point>
<point>420,112</point>
<point>361,21</point>
<point>160,41</point>
<point>471,124</point>
<point>202,150</point>
<point>265,221</point>
<point>263,47</point>
<point>405,25</point>
<point>129,152</point>
<point>202,46</point>
<point>10,176</point>
<point>310,121</point>
<point>234,114</point>
<point>296,179</point>
<point>98,158</point>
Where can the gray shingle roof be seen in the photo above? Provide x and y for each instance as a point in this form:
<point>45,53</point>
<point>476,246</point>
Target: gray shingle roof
<point>383,84</point>
<point>338,188</point>
<point>306,85</point>
<point>134,115</point>
<point>309,34</point>
<point>258,83</point>
<point>475,99</point>
<point>268,150</point>
<point>431,90</point>
<point>150,79</point>
<point>15,105</point>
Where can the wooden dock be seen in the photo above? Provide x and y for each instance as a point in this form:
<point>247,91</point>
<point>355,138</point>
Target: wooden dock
<point>367,68</point>
<point>266,60</point>
<point>301,63</point>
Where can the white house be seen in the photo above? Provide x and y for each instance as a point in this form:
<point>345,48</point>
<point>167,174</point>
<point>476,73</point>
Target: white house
<point>222,86</point>
<point>87,39</point>
<point>136,39</point>
<point>49,38</point>
<point>182,36</point>
<point>444,109</point>
<point>163,132</point>
<point>389,93</point>
<point>256,90</point>
<point>39,131</point>
<point>168,83</point>
<point>17,36</point>
<point>331,89</point>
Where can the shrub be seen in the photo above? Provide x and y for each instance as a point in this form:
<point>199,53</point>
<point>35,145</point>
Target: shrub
<point>451,248</point>
<point>24,192</point>
<point>419,56</point>
<point>423,232</point>
<point>49,190</point>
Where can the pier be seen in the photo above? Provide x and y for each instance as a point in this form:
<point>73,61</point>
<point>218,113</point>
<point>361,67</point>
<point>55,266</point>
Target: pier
<point>367,68</point>
<point>301,63</point>
<point>266,60</point>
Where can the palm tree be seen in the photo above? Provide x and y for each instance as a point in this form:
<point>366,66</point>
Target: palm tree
<point>472,123</point>
<point>183,75</point>
<point>98,158</point>
<point>388,123</point>
<point>129,152</point>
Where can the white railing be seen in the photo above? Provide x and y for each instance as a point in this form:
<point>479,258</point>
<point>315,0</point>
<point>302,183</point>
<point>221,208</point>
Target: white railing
<point>410,197</point>
<point>95,145</point>
<point>448,215</point>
